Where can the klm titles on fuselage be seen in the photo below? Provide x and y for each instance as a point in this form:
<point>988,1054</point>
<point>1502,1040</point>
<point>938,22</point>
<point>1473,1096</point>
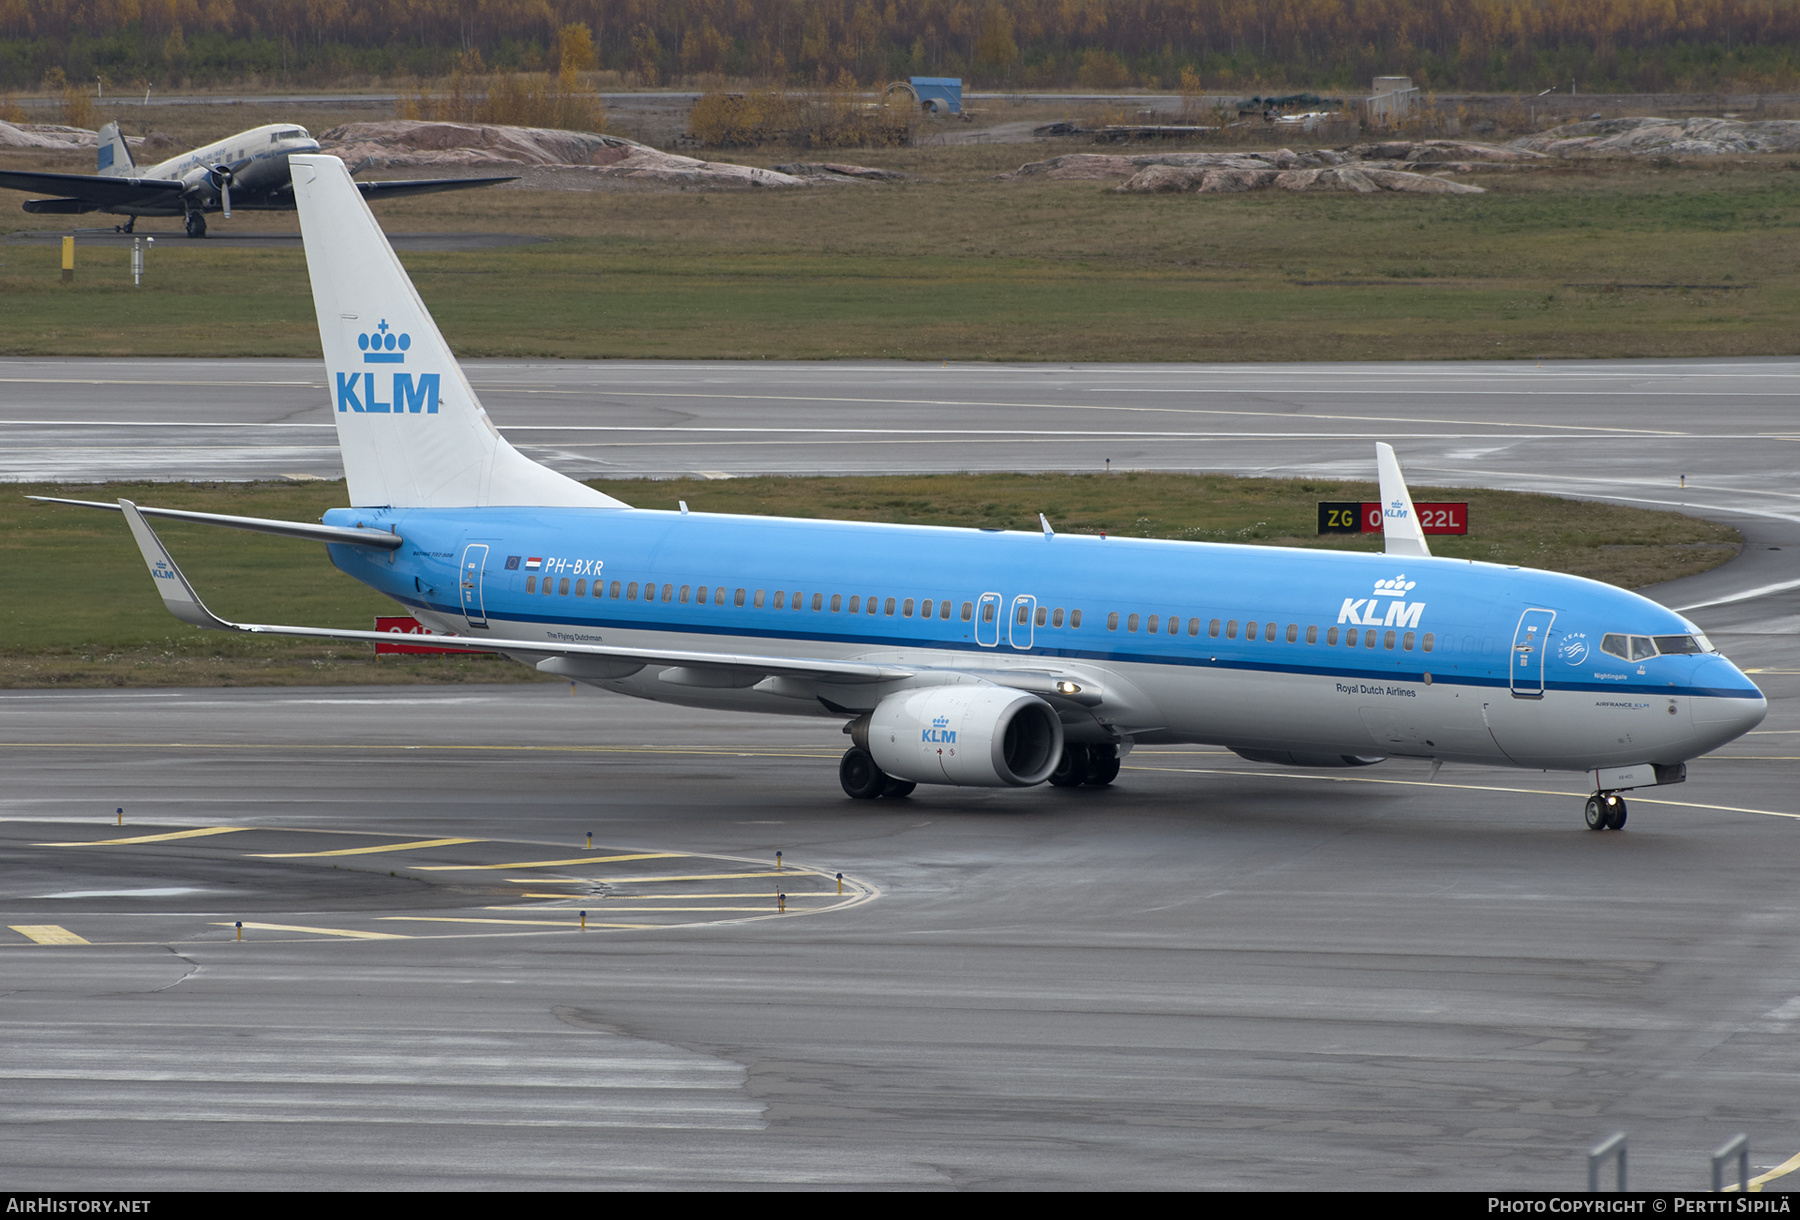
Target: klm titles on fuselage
<point>1400,613</point>
<point>409,397</point>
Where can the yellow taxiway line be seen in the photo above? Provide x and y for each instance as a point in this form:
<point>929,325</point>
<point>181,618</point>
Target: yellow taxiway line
<point>170,837</point>
<point>454,868</point>
<point>350,933</point>
<point>416,845</point>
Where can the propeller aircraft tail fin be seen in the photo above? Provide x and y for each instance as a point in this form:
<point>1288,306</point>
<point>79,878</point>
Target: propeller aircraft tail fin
<point>410,429</point>
<point>114,155</point>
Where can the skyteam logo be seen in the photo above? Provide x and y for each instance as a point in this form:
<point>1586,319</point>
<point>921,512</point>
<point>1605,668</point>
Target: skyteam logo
<point>383,346</point>
<point>1368,611</point>
<point>358,393</point>
<point>939,733</point>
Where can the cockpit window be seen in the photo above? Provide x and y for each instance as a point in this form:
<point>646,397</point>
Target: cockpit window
<point>292,133</point>
<point>1678,644</point>
<point>1629,647</point>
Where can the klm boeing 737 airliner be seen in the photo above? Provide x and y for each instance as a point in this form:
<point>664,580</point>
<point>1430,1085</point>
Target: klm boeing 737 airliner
<point>955,656</point>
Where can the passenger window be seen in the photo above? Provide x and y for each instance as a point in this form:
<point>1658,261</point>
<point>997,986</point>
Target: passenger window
<point>906,608</point>
<point>1293,632</point>
<point>1042,614</point>
<point>1056,619</point>
<point>781,599</point>
<point>737,599</point>
<point>1350,638</point>
<point>1312,633</point>
<point>631,591</point>
<point>684,594</point>
<point>1427,641</point>
<point>1387,641</point>
<point>837,602</point>
<point>818,601</point>
<point>1369,638</point>
<point>967,611</point>
<point>889,609</point>
<point>531,584</point>
<point>1407,642</point>
<point>699,595</point>
<point>987,612</point>
<point>1249,632</point>
<point>1269,632</point>
<point>1112,621</point>
<point>1154,624</point>
<point>856,603</point>
<point>550,586</point>
<point>1074,619</point>
<point>581,588</point>
<point>1231,630</point>
<point>758,602</point>
<point>925,608</point>
<point>1331,637</point>
<point>1131,624</point>
<point>944,610</point>
<point>614,591</point>
<point>1212,629</point>
<point>1174,625</point>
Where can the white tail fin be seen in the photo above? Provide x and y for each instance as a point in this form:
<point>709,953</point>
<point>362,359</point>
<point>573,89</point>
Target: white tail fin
<point>1399,520</point>
<point>114,155</point>
<point>411,431</point>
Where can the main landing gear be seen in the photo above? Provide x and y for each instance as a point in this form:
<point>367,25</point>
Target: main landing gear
<point>196,225</point>
<point>1095,766</point>
<point>865,781</point>
<point>1605,811</point>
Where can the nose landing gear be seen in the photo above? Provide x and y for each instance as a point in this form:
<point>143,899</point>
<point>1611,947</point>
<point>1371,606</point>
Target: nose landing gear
<point>1605,811</point>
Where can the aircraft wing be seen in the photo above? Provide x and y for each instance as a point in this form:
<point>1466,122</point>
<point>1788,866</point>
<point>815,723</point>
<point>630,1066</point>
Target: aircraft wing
<point>97,189</point>
<point>179,596</point>
<point>398,187</point>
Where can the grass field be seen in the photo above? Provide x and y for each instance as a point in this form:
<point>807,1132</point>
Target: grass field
<point>83,612</point>
<point>1588,260</point>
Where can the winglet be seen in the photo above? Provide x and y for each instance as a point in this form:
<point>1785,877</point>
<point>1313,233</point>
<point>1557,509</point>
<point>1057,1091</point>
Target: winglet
<point>177,594</point>
<point>1399,521</point>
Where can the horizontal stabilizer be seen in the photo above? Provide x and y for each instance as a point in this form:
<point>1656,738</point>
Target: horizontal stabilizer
<point>1399,520</point>
<point>260,525</point>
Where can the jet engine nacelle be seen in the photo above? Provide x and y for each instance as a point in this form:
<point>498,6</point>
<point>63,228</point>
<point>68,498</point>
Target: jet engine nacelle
<point>975,736</point>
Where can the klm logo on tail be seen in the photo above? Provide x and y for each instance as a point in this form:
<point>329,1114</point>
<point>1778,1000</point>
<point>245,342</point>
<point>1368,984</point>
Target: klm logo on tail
<point>357,392</point>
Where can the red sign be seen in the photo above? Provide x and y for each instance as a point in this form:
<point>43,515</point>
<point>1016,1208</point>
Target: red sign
<point>407,625</point>
<point>1442,518</point>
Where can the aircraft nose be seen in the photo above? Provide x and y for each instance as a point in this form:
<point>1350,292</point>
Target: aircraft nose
<point>1726,704</point>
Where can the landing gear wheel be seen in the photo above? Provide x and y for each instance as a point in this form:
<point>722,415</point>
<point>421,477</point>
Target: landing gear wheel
<point>1596,814</point>
<point>1072,768</point>
<point>861,778</point>
<point>196,225</point>
<point>1103,766</point>
<point>897,788</point>
<point>1616,818</point>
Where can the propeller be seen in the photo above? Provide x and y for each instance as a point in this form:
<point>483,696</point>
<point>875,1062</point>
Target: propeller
<point>222,176</point>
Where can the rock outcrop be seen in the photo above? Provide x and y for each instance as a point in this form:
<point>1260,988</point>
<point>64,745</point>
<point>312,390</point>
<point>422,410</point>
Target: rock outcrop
<point>1657,137</point>
<point>412,144</point>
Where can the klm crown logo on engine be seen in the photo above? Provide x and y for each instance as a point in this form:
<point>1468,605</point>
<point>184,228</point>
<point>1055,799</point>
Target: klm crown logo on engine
<point>358,393</point>
<point>1367,611</point>
<point>939,732</point>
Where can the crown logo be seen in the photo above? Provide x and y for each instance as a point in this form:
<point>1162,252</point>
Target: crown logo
<point>383,346</point>
<point>940,722</point>
<point>1397,587</point>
